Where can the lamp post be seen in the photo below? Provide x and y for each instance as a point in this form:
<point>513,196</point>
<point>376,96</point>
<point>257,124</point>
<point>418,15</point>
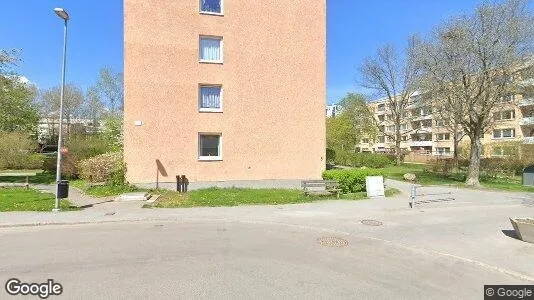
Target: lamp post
<point>63,15</point>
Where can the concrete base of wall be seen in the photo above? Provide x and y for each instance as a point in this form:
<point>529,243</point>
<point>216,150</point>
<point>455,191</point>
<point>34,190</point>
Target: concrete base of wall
<point>254,184</point>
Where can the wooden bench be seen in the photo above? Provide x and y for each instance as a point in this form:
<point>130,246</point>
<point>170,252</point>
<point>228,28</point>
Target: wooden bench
<point>321,187</point>
<point>27,175</point>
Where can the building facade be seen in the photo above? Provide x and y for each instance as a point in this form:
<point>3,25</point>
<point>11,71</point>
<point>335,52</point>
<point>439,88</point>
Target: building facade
<point>222,95</point>
<point>333,110</point>
<point>425,133</point>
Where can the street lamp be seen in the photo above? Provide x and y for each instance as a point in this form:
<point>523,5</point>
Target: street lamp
<point>65,16</point>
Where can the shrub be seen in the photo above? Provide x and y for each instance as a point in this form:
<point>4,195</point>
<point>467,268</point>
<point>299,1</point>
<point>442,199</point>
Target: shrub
<point>17,151</point>
<point>370,160</point>
<point>440,165</point>
<point>330,155</point>
<point>108,167</point>
<point>81,147</point>
<point>350,180</point>
<point>501,166</point>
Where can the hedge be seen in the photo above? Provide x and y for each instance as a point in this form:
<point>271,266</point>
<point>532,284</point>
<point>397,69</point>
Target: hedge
<point>351,180</point>
<point>108,168</point>
<point>370,160</point>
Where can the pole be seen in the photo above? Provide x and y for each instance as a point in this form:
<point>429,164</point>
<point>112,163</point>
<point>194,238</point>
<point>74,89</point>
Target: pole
<point>58,167</point>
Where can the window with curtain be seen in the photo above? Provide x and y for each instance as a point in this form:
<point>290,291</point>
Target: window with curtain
<point>210,98</point>
<point>211,6</point>
<point>211,49</point>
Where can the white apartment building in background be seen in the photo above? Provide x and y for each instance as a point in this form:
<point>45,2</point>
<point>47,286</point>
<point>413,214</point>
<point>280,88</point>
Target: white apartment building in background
<point>333,110</point>
<point>425,133</point>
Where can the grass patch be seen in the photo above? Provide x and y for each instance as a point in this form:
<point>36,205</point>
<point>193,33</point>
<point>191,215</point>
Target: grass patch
<point>214,197</point>
<point>22,199</point>
<point>104,190</point>
<point>42,177</point>
<point>456,179</point>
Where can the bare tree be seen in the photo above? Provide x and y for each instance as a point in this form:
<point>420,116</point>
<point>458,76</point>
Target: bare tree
<point>93,108</point>
<point>470,63</point>
<point>72,103</point>
<point>394,79</point>
<point>110,85</point>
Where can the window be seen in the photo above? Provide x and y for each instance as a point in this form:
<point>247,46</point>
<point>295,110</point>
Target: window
<point>365,141</point>
<point>390,128</point>
<point>503,133</point>
<point>211,6</point>
<point>404,138</point>
<point>442,122</point>
<point>381,107</point>
<point>443,151</point>
<point>211,49</point>
<point>210,98</point>
<point>404,127</point>
<point>209,146</point>
<point>504,115</point>
<point>508,98</point>
<point>381,118</point>
<point>390,139</point>
<point>381,139</point>
<point>443,136</point>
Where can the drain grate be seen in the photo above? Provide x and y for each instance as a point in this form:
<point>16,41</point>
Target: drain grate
<point>331,241</point>
<point>371,222</point>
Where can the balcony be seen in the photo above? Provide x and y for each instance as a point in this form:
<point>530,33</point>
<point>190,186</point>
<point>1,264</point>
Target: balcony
<point>420,118</point>
<point>527,121</point>
<point>526,102</point>
<point>421,144</point>
<point>528,140</point>
<point>422,130</point>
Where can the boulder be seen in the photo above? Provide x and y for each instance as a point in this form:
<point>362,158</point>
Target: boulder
<point>410,177</point>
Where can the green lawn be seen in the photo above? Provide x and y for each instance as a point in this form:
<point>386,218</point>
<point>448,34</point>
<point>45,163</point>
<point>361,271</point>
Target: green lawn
<point>214,197</point>
<point>103,190</point>
<point>456,179</point>
<point>42,177</point>
<point>22,199</point>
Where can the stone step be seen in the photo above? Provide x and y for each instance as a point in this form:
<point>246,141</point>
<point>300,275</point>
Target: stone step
<point>134,196</point>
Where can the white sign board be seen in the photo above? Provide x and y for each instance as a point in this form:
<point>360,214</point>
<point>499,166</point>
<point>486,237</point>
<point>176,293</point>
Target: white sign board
<point>374,185</point>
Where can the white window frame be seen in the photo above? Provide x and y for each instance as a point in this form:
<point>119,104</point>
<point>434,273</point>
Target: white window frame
<point>439,151</point>
<point>209,12</point>
<point>210,158</point>
<point>500,115</point>
<point>210,37</point>
<point>443,137</point>
<point>221,97</point>
<point>501,135</point>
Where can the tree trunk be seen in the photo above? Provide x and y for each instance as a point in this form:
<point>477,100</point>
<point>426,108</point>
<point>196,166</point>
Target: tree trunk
<point>455,160</point>
<point>398,154</point>
<point>474,163</point>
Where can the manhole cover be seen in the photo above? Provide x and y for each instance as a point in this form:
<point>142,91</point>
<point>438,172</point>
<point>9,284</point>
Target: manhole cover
<point>371,222</point>
<point>330,241</point>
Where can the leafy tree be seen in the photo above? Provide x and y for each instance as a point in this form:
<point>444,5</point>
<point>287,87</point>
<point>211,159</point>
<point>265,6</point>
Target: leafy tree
<point>17,111</point>
<point>470,65</point>
<point>354,123</point>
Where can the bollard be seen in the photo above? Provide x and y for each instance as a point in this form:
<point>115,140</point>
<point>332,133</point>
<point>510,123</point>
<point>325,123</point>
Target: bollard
<point>412,195</point>
<point>185,183</point>
<point>179,183</point>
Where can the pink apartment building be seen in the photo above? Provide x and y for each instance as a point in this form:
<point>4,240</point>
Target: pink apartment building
<point>226,92</point>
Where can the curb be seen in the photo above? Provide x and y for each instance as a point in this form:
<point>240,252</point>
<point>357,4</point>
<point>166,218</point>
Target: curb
<point>52,223</point>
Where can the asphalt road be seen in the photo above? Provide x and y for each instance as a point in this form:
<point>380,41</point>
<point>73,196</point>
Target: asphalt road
<point>233,260</point>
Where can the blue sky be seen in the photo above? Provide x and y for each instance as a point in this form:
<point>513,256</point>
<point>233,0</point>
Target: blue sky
<point>355,29</point>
